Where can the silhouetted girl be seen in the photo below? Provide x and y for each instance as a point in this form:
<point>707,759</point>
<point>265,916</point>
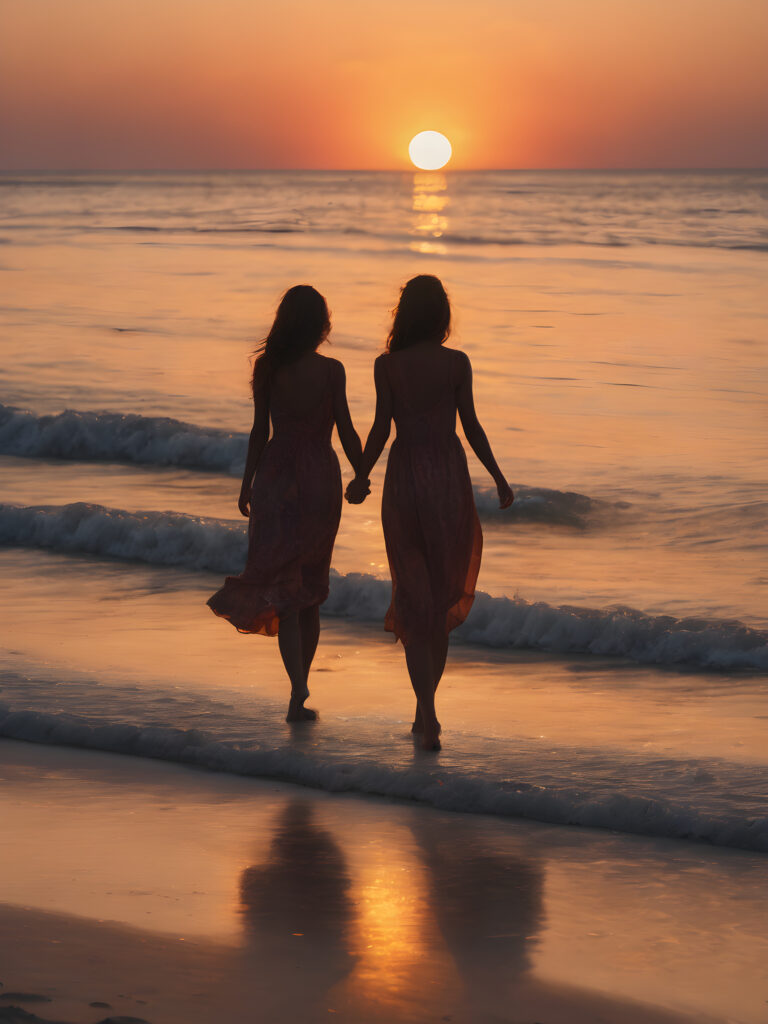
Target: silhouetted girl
<point>431,529</point>
<point>291,489</point>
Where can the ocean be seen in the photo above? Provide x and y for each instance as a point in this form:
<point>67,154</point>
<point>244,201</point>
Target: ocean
<point>614,669</point>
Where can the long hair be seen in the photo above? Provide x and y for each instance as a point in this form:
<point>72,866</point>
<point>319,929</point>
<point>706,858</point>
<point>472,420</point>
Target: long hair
<point>422,314</point>
<point>302,323</point>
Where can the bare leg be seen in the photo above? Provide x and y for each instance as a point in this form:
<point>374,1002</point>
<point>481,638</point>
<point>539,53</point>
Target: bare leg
<point>289,642</point>
<point>439,655</point>
<point>309,623</point>
<point>418,657</point>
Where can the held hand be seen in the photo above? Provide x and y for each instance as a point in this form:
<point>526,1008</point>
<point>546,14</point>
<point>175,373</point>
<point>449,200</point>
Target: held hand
<point>357,491</point>
<point>506,497</point>
<point>244,503</point>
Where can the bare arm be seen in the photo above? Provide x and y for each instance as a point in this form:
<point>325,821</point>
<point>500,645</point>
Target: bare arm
<point>476,436</point>
<point>378,436</point>
<point>348,436</point>
<point>382,421</point>
<point>256,444</point>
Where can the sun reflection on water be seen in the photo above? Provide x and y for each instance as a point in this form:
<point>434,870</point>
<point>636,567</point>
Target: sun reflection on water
<point>430,200</point>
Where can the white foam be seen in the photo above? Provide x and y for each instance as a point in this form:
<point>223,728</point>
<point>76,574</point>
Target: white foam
<point>159,538</point>
<point>218,546</point>
<point>697,806</point>
<point>116,437</point>
<point>160,441</point>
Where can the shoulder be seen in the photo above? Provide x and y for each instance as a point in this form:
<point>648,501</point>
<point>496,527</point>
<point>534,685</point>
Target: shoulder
<point>381,373</point>
<point>335,367</point>
<point>457,355</point>
<point>380,363</point>
<point>460,360</point>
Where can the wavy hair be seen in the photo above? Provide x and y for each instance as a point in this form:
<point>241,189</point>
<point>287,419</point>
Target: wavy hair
<point>422,314</point>
<point>302,323</point>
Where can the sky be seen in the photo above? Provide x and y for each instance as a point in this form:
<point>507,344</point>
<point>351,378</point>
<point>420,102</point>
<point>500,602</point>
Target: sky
<point>140,84</point>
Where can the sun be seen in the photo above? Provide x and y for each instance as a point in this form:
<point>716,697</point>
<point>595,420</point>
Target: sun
<point>429,151</point>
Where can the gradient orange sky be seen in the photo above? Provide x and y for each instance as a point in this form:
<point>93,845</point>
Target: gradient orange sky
<point>345,83</point>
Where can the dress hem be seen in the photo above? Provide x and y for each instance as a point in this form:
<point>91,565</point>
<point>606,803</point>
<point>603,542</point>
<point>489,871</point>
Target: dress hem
<point>265,622</point>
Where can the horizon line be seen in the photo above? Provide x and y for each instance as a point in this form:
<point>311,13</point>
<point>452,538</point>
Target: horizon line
<point>370,170</point>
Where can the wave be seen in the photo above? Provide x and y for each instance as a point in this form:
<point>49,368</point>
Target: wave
<point>750,246</point>
<point>119,437</point>
<point>547,505</point>
<point>218,546</point>
<point>156,538</point>
<point>235,229</point>
<point>607,240</point>
<point>701,806</point>
<point>162,441</point>
<point>537,236</point>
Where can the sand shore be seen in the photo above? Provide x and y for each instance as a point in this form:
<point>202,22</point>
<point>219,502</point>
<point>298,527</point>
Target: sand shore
<point>183,897</point>
<point>83,971</point>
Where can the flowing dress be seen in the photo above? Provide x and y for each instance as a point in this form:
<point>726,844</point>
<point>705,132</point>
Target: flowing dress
<point>431,529</point>
<point>294,517</point>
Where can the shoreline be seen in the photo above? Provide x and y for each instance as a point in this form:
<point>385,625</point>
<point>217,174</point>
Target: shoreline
<point>393,767</point>
<point>204,895</point>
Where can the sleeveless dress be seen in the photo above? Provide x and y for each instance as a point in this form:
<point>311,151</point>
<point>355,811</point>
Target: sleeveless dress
<point>295,513</point>
<point>431,529</point>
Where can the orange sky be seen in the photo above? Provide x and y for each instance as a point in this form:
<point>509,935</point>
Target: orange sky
<point>346,83</point>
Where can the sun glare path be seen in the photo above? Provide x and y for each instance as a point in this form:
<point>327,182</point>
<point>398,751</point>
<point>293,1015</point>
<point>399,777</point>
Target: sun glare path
<point>429,151</point>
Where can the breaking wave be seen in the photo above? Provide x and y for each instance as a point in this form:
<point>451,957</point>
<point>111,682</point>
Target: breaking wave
<point>119,437</point>
<point>162,441</point>
<point>218,546</point>
<point>718,804</point>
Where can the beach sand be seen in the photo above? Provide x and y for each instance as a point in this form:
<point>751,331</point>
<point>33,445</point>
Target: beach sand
<point>176,895</point>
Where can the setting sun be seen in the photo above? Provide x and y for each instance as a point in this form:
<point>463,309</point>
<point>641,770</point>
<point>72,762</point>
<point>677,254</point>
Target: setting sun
<point>429,151</point>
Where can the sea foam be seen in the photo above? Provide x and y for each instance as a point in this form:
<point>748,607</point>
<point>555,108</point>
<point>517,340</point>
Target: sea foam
<point>218,546</point>
<point>679,800</point>
<point>162,441</point>
<point>119,437</point>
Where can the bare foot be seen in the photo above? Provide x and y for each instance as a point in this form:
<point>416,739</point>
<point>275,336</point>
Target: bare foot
<point>298,713</point>
<point>418,725</point>
<point>431,737</point>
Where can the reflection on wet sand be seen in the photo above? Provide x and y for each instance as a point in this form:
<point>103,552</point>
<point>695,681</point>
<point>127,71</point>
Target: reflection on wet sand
<point>430,200</point>
<point>377,926</point>
<point>121,879</point>
<point>487,906</point>
<point>400,954</point>
<point>297,911</point>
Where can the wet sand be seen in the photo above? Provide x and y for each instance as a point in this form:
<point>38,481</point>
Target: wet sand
<point>176,895</point>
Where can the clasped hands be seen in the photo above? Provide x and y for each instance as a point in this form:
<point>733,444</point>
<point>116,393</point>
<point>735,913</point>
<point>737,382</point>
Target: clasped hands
<point>357,490</point>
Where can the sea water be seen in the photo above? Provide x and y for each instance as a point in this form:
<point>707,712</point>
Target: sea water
<point>613,669</point>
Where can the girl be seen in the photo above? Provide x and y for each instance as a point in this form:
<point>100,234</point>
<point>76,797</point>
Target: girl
<point>291,491</point>
<point>431,529</point>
